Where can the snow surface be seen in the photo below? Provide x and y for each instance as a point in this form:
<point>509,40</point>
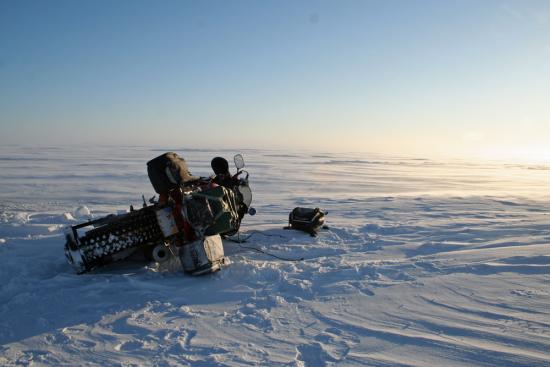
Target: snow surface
<point>427,263</point>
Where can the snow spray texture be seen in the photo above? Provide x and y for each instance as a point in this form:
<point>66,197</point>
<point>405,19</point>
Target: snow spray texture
<point>168,171</point>
<point>307,220</point>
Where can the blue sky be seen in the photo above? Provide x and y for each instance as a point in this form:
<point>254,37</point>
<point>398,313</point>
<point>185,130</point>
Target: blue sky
<point>426,77</point>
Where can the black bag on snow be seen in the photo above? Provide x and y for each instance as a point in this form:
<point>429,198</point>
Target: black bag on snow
<point>168,171</point>
<point>306,219</point>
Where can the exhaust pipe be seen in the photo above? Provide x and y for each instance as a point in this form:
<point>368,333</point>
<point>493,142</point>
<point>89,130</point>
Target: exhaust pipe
<point>160,253</point>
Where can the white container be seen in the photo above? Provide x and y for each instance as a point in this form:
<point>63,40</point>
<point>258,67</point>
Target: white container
<point>202,256</point>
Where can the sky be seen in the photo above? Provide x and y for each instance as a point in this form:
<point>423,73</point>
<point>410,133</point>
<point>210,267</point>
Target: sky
<point>403,77</point>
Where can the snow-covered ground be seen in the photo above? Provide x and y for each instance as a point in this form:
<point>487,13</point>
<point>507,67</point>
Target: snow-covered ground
<point>427,263</point>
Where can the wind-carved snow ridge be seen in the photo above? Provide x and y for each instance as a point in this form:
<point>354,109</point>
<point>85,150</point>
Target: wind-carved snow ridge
<point>426,263</point>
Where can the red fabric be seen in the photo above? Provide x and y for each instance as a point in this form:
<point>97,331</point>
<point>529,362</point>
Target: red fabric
<point>183,225</point>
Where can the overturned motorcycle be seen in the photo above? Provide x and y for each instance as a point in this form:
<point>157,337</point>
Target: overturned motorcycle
<point>188,220</point>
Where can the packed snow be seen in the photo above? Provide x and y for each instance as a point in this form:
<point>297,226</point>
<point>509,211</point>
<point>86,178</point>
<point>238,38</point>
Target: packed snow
<point>426,263</point>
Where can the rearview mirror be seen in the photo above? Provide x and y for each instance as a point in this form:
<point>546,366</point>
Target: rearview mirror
<point>239,161</point>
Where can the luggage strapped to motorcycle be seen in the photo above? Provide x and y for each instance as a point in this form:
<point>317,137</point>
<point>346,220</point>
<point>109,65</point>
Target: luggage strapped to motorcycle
<point>168,172</point>
<point>219,215</point>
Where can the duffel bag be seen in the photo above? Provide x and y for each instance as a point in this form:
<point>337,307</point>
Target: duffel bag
<point>306,219</point>
<point>213,211</point>
<point>168,171</point>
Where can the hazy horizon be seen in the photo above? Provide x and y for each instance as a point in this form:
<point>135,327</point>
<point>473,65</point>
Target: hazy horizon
<point>229,150</point>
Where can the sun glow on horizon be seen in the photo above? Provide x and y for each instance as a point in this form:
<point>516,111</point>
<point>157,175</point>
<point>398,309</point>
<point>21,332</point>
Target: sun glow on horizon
<point>519,154</point>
